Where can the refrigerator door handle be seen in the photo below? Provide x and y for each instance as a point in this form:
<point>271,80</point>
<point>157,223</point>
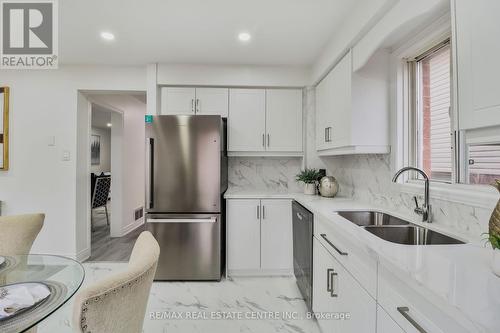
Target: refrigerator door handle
<point>150,183</point>
<point>181,220</point>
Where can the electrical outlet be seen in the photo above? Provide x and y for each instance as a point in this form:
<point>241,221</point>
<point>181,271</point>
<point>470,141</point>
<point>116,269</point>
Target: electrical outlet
<point>139,213</point>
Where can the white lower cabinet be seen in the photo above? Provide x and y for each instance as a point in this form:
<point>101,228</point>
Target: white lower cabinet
<point>276,235</point>
<point>243,234</point>
<point>385,324</point>
<point>259,237</point>
<point>340,303</point>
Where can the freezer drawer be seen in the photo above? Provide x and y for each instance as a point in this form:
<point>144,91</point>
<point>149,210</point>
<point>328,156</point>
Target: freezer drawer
<point>190,246</point>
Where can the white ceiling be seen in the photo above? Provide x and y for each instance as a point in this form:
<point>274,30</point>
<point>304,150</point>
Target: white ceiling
<point>284,32</point>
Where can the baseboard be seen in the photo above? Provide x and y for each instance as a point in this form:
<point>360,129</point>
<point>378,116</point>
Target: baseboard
<point>132,226</point>
<point>82,255</point>
<point>258,272</point>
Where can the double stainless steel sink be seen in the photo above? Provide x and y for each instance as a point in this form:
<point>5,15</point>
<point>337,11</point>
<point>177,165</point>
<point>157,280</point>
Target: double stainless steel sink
<point>396,230</point>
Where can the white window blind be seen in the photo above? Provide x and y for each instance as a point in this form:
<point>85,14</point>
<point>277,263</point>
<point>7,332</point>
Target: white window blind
<point>439,67</point>
<point>484,163</point>
<point>434,144</point>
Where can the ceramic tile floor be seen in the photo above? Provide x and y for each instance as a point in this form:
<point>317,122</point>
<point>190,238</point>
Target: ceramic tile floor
<point>268,304</point>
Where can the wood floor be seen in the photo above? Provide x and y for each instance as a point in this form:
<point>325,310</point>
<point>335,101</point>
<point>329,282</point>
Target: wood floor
<point>105,248</point>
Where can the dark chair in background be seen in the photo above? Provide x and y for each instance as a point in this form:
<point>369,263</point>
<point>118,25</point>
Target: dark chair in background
<point>101,186</point>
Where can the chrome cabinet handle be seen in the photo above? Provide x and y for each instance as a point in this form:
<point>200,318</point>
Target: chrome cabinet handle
<point>151,173</point>
<point>334,247</point>
<point>263,140</point>
<point>328,134</point>
<point>299,216</point>
<point>258,212</point>
<point>268,139</point>
<point>192,105</point>
<point>197,105</point>
<point>404,312</point>
<point>330,274</point>
<point>263,212</point>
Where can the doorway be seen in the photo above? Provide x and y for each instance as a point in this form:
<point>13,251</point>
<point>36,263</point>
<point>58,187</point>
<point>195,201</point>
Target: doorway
<point>111,160</point>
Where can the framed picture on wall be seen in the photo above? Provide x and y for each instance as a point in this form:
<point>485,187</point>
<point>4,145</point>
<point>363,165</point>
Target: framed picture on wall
<point>95,149</point>
<point>4,128</point>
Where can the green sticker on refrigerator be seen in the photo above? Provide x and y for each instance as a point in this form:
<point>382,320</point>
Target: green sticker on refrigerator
<point>149,118</point>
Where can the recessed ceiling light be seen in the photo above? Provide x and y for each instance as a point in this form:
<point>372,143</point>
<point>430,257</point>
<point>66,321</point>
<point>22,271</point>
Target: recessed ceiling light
<point>244,36</point>
<point>109,124</point>
<point>106,35</point>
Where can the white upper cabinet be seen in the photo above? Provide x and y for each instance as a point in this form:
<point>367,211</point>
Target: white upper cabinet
<point>265,122</point>
<point>477,52</point>
<point>352,108</point>
<point>212,101</point>
<point>203,101</point>
<point>176,101</point>
<point>247,120</point>
<point>284,120</point>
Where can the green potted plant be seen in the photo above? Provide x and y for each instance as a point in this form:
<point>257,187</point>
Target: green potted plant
<point>494,234</point>
<point>309,177</point>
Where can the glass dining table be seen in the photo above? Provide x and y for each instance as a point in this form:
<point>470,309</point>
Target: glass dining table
<point>63,277</point>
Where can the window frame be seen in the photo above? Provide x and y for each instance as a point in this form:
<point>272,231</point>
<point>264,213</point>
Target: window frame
<point>413,69</point>
<point>476,195</point>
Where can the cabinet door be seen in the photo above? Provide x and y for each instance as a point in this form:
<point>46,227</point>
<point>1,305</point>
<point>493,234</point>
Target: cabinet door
<point>247,120</point>
<point>478,51</point>
<point>284,119</point>
<point>386,324</point>
<point>177,101</point>
<point>323,297</point>
<point>243,234</point>
<point>340,91</point>
<point>212,101</point>
<point>322,107</point>
<point>338,292</point>
<point>276,234</point>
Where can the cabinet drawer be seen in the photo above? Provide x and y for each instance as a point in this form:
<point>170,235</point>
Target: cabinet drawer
<point>336,292</point>
<point>410,310</point>
<point>361,264</point>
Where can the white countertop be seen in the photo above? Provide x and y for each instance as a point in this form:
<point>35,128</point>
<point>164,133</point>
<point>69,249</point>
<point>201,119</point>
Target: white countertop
<point>457,278</point>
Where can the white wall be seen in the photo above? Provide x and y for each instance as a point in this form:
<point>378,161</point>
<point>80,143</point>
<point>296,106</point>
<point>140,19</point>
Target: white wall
<point>362,19</point>
<point>221,75</point>
<point>44,104</point>
<point>105,160</point>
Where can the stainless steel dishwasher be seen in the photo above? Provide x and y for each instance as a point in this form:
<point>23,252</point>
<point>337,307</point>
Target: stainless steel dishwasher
<point>303,250</point>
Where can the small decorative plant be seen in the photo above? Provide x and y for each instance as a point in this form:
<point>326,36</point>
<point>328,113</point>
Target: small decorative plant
<point>309,177</point>
<point>494,226</point>
<point>494,233</point>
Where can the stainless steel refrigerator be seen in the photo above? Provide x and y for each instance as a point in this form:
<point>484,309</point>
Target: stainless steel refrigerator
<point>186,180</point>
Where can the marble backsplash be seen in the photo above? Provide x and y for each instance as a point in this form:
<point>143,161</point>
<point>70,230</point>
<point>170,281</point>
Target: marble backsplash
<point>276,174</point>
<point>368,178</point>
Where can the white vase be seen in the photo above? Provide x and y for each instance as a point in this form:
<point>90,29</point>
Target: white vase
<point>310,189</point>
<point>495,262</point>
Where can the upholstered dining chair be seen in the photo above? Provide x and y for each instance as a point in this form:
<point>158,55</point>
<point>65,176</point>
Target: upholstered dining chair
<point>100,194</point>
<point>18,232</point>
<point>118,303</point>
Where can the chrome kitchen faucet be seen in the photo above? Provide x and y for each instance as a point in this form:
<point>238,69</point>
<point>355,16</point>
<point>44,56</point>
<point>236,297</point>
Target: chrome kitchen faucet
<point>425,211</point>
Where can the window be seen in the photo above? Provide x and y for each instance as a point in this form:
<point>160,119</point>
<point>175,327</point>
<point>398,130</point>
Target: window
<point>431,103</point>
<point>483,163</point>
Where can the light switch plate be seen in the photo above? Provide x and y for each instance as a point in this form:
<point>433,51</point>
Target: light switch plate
<point>66,156</point>
<point>51,141</point>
